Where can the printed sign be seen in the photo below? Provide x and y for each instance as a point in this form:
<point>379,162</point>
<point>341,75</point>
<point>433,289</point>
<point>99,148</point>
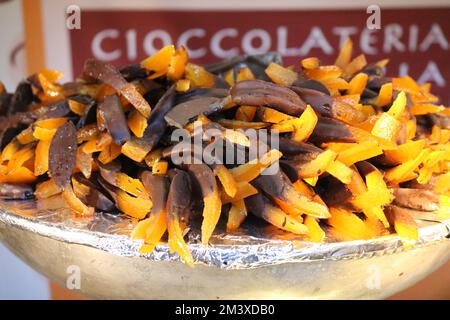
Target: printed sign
<point>415,40</point>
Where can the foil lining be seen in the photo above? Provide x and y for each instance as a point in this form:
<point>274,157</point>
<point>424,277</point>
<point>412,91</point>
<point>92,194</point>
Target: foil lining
<point>255,245</point>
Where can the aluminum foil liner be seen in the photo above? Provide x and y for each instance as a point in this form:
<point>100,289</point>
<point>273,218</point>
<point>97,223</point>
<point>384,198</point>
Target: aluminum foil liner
<point>255,245</point>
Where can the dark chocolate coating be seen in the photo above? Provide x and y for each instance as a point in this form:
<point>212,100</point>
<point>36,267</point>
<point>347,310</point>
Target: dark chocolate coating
<point>15,191</point>
<point>99,200</point>
<point>274,185</point>
<point>62,154</point>
<point>261,93</point>
<point>291,147</point>
<point>115,120</point>
<point>134,71</point>
<point>319,101</point>
<point>180,195</point>
<point>306,83</point>
<point>419,199</point>
<point>256,204</point>
<point>205,178</point>
<point>57,109</point>
<point>109,171</point>
<point>200,93</point>
<point>22,97</point>
<point>328,130</point>
<point>111,76</point>
<point>334,193</point>
<point>256,62</point>
<point>97,197</point>
<point>365,167</point>
<point>105,72</point>
<point>188,111</point>
<point>158,188</point>
<point>156,124</point>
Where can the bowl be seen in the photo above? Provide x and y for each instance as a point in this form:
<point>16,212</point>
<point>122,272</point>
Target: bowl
<point>97,258</point>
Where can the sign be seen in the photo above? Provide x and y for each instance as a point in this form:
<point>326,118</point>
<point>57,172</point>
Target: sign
<point>415,40</point>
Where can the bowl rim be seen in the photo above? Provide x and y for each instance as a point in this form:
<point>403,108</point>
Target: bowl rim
<point>231,256</point>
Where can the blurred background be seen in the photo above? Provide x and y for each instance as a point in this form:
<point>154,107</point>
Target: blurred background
<point>61,34</point>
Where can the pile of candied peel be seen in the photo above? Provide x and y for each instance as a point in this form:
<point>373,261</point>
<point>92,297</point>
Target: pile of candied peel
<point>358,154</point>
